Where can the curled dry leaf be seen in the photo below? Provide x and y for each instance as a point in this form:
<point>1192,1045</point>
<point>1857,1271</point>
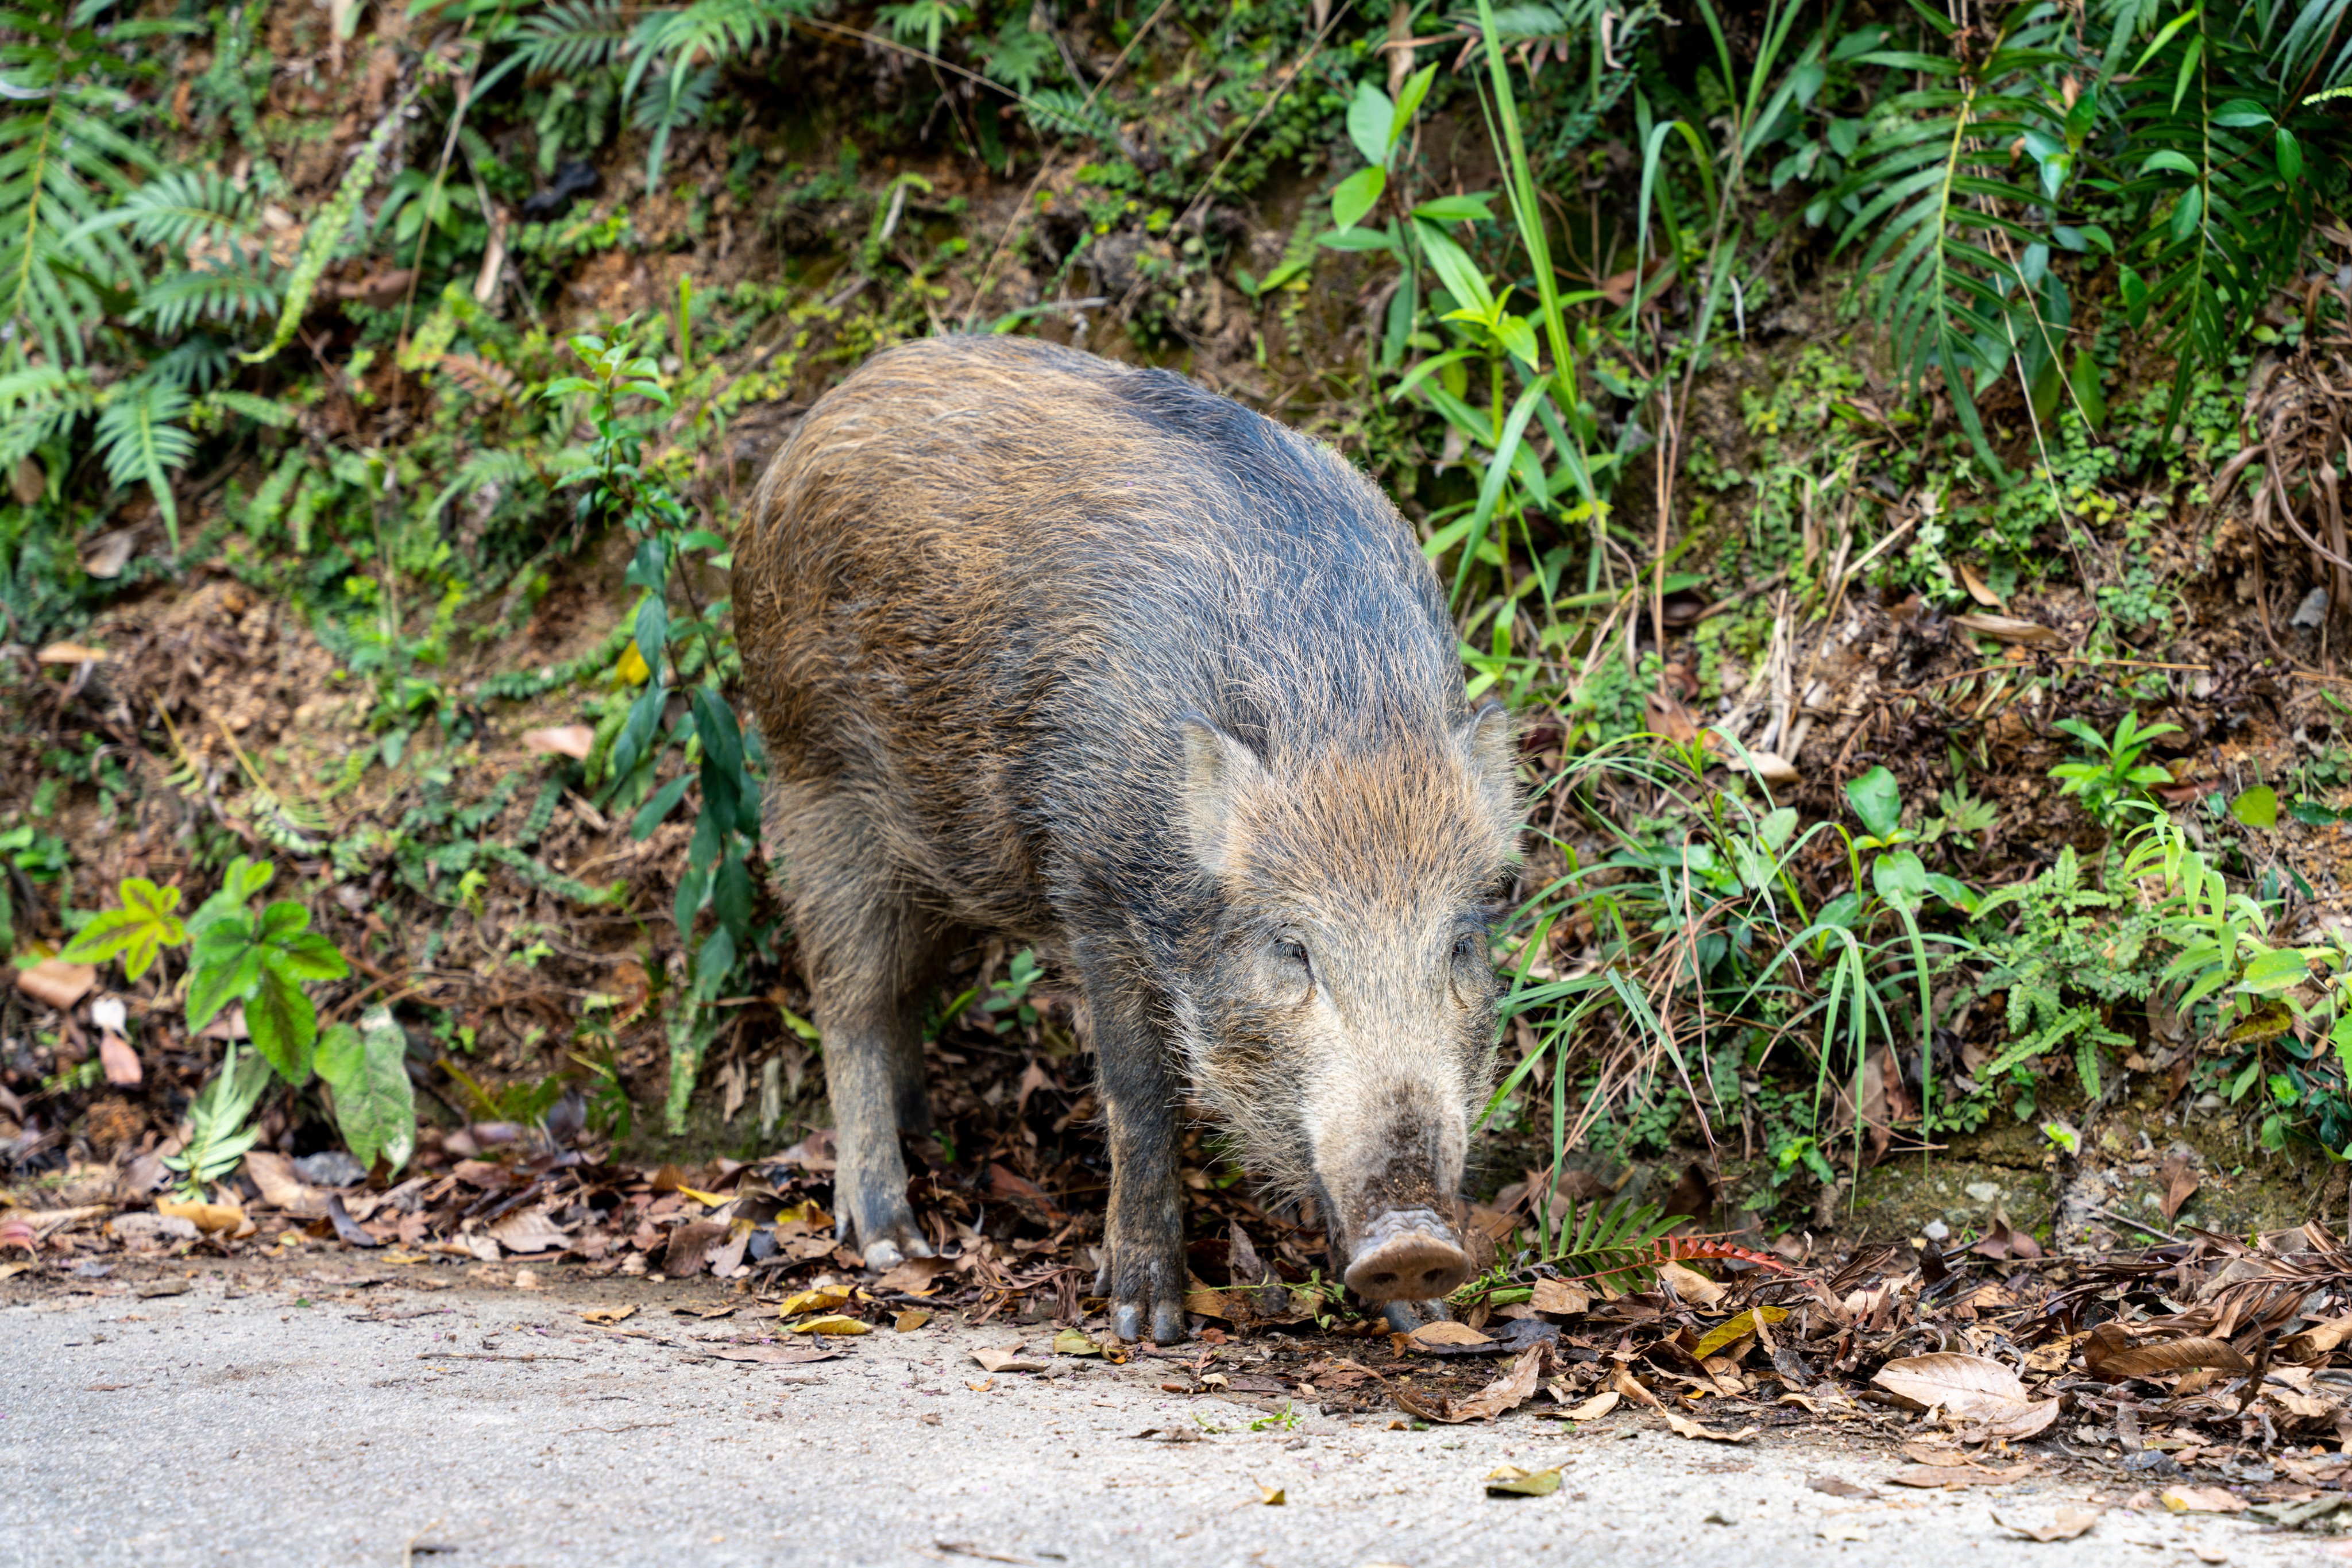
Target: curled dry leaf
<point>608,1314</point>
<point>1685,1427</point>
<point>561,740</point>
<point>1978,588</point>
<point>1446,1332</point>
<point>281,1189</point>
<point>1507,1392</point>
<point>1594,1408</point>
<point>2203,1499</point>
<point>1691,1285</point>
<point>1971,1388</point>
<point>1006,1358</point>
<point>913,1277</point>
<point>2315,1340</point>
<point>529,1230</point>
<point>69,653</point>
<point>2068,1523</point>
<point>2162,1356</point>
<point>910,1320</point>
<point>122,1063</point>
<point>819,1299</point>
<point>2009,629</point>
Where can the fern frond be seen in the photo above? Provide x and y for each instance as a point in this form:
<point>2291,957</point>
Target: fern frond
<point>62,165</point>
<point>180,209</point>
<point>570,37</point>
<point>139,442</point>
<point>326,233</point>
<point>1063,112</point>
<point>178,300</point>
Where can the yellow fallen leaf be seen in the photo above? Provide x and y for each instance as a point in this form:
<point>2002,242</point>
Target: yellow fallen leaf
<point>912,1319</point>
<point>1271,1496</point>
<point>820,1298</point>
<point>832,1323</point>
<point>982,1387</point>
<point>211,1218</point>
<point>709,1200</point>
<point>805,1212</point>
<point>1736,1327</point>
<point>608,1314</point>
<point>1074,1341</point>
<point>1510,1480</point>
<point>632,667</point>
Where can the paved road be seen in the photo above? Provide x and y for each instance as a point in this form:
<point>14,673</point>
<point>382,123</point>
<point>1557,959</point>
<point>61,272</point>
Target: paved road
<point>284,1420</point>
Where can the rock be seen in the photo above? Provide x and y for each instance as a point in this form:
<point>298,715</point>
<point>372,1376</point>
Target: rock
<point>332,1168</point>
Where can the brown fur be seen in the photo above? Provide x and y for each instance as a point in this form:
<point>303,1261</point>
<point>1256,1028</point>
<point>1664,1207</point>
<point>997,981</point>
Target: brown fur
<point>1082,655</point>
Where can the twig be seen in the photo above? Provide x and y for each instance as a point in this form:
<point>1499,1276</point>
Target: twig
<point>2137,1225</point>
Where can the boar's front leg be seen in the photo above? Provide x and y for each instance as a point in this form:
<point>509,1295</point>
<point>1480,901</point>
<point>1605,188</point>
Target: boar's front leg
<point>1143,1269</point>
<point>869,958</point>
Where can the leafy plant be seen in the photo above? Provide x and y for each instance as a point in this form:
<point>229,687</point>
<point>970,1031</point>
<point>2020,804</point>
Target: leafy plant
<point>217,1135</point>
<point>2112,783</point>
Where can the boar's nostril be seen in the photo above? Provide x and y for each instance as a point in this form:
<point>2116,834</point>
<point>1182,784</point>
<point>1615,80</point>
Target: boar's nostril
<point>1406,1262</point>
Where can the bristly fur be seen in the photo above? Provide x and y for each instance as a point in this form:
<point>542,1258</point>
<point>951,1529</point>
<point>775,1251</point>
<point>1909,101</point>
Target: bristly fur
<point>1085,656</point>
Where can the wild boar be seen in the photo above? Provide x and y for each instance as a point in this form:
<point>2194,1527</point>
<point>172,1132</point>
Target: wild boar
<point>1088,657</point>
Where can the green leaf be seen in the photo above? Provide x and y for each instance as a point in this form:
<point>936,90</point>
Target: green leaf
<point>1470,208</point>
<point>1877,799</point>
<point>2257,807</point>
<point>137,931</point>
<point>283,1024</point>
<point>2290,154</point>
<point>664,800</point>
<point>1356,196</point>
<point>227,965</point>
<point>1370,118</point>
<point>1900,879</point>
<point>339,1055</point>
<point>375,1106</point>
<point>2279,970</point>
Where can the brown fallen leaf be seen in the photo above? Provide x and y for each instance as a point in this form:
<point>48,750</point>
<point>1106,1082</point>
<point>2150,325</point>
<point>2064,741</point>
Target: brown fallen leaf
<point>1978,588</point>
<point>2068,1523</point>
<point>1445,1332</point>
<point>109,554</point>
<point>1594,1408</point>
<point>608,1314</point>
<point>1560,1296</point>
<point>1690,1285</point>
<point>914,1276</point>
<point>2007,629</point>
<point>910,1320</point>
<point>773,1355</point>
<point>1971,1388</point>
<point>531,1230</point>
<point>2315,1340</point>
<point>1507,1392</point>
<point>2180,1173</point>
<point>56,984</point>
<point>2203,1499</point>
<point>561,741</point>
<point>1625,1382</point>
<point>281,1189</point>
<point>1685,1427</point>
<point>1837,1486</point>
<point>1950,1477</point>
<point>2161,1356</point>
<point>1004,1358</point>
<point>121,1062</point>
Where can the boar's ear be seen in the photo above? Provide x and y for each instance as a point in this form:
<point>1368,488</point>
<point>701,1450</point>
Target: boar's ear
<point>1491,742</point>
<point>1217,769</point>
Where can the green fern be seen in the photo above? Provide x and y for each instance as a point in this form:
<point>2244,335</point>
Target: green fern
<point>326,235</point>
<point>1059,111</point>
<point>64,161</point>
<point>140,442</point>
<point>181,208</point>
<point>178,300</point>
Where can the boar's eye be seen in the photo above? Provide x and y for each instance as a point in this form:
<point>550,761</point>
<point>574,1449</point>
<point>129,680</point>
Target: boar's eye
<point>1467,947</point>
<point>1290,951</point>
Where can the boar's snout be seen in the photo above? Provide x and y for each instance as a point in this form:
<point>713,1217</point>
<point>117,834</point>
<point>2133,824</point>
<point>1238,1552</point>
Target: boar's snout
<point>1407,1255</point>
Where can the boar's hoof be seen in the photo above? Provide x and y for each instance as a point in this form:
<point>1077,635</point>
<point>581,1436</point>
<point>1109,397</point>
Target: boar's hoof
<point>1167,1323</point>
<point>1404,1316</point>
<point>1409,1255</point>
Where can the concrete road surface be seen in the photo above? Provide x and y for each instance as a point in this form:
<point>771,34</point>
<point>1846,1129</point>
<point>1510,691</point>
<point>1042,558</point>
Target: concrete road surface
<point>289,1417</point>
